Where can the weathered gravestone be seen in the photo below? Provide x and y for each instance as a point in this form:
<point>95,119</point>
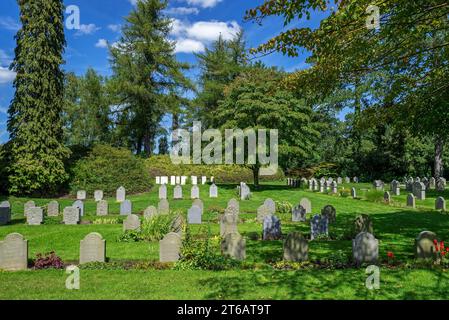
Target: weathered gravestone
<point>296,248</point>
<point>270,205</point>
<point>170,248</point>
<point>395,188</point>
<point>213,191</point>
<point>355,180</point>
<point>306,204</point>
<point>195,192</point>
<point>378,185</point>
<point>14,253</point>
<point>194,215</point>
<point>92,248</point>
<point>245,192</point>
<point>234,246</point>
<point>98,195</point>
<point>131,223</point>
<point>234,203</point>
<point>299,214</point>
<point>271,228</point>
<point>120,194</point>
<point>28,205</point>
<point>81,195</point>
<point>411,201</point>
<point>353,193</point>
<point>163,191</point>
<point>5,213</point>
<point>35,216</point>
<point>347,180</point>
<point>228,222</point>
<point>199,203</point>
<point>424,245</point>
<point>330,212</point>
<point>365,248</point>
<point>363,223</point>
<point>262,212</point>
<point>177,193</point>
<point>126,208</point>
<point>163,207</point>
<point>440,204</point>
<point>102,208</point>
<point>387,197</point>
<point>150,213</point>
<point>441,184</point>
<point>80,205</point>
<point>53,209</point>
<point>71,215</point>
<point>334,187</point>
<point>318,226</point>
<point>419,190</point>
<point>432,183</point>
<point>339,180</point>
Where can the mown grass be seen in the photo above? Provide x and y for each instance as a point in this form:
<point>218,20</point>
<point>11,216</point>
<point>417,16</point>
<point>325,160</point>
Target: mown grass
<point>395,226</point>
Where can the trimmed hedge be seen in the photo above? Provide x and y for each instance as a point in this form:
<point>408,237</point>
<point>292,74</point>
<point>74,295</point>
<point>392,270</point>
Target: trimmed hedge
<point>162,166</point>
<point>107,168</point>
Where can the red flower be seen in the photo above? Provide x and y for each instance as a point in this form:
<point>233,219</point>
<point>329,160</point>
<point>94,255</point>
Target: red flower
<point>447,249</point>
<point>390,255</point>
<point>443,253</point>
<point>435,241</point>
<point>442,245</point>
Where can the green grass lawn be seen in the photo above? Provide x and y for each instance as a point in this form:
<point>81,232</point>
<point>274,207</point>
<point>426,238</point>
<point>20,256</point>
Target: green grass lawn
<point>395,226</point>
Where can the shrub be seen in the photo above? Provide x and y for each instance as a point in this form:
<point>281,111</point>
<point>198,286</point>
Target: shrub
<point>106,221</point>
<point>374,196</point>
<point>153,229</point>
<point>107,168</point>
<point>284,207</point>
<point>48,261</point>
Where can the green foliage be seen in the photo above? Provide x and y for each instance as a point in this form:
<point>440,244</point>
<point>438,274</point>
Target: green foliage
<point>35,127</point>
<point>106,221</point>
<point>284,207</point>
<point>107,168</point>
<point>374,196</point>
<point>153,229</point>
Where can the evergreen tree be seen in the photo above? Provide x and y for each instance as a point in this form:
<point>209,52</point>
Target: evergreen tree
<point>163,145</point>
<point>34,123</point>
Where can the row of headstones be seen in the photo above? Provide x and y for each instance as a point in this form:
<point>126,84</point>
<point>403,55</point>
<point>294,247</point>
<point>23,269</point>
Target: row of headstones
<point>323,186</point>
<point>365,247</point>
<point>194,192</point>
<point>98,195</point>
<point>432,183</point>
<point>182,180</point>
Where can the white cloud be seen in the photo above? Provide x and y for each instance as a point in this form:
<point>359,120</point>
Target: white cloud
<point>182,11</point>
<point>101,43</point>
<point>6,75</point>
<point>87,29</point>
<point>203,3</point>
<point>115,27</point>
<point>189,46</point>
<point>5,59</point>
<point>205,30</point>
<point>9,23</point>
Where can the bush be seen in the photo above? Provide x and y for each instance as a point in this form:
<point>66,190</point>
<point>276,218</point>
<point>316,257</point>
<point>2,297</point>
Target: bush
<point>284,207</point>
<point>48,261</point>
<point>153,229</point>
<point>162,166</point>
<point>107,168</point>
<point>374,196</point>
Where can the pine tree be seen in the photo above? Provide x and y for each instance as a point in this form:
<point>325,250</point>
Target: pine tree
<point>34,124</point>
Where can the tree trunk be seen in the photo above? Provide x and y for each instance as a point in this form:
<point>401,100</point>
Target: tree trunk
<point>256,175</point>
<point>438,165</point>
<point>147,144</point>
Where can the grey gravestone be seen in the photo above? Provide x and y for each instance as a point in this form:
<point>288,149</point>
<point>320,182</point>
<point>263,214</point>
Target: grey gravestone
<point>194,215</point>
<point>102,208</point>
<point>120,194</point>
<point>306,205</point>
<point>318,226</point>
<point>355,179</point>
<point>126,208</point>
<point>199,203</point>
<point>53,209</point>
<point>271,228</point>
<point>98,195</point>
<point>363,223</point>
<point>262,212</point>
<point>150,212</point>
<point>387,197</point>
<point>131,223</point>
<point>28,205</point>
<point>170,248</point>
<point>411,201</point>
<point>81,195</point>
<point>234,203</point>
<point>71,215</point>
<point>14,253</point>
<point>424,245</point>
<point>270,205</point>
<point>177,193</point>
<point>299,214</point>
<point>432,183</point>
<point>213,191</point>
<point>440,204</point>
<point>296,248</point>
<point>195,192</point>
<point>92,248</point>
<point>334,187</point>
<point>365,248</point>
<point>163,207</point>
<point>329,212</point>
<point>35,216</point>
<point>5,213</point>
<point>163,191</point>
<point>322,187</point>
<point>228,223</point>
<point>347,180</point>
<point>80,205</point>
<point>395,188</point>
<point>419,190</point>
<point>441,184</point>
<point>339,180</point>
<point>378,185</point>
<point>234,246</point>
<point>245,192</point>
<point>353,193</point>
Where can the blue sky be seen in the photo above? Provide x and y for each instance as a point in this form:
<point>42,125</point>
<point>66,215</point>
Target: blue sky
<point>196,23</point>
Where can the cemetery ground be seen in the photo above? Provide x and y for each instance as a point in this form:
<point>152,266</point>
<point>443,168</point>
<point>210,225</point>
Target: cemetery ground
<point>262,275</point>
